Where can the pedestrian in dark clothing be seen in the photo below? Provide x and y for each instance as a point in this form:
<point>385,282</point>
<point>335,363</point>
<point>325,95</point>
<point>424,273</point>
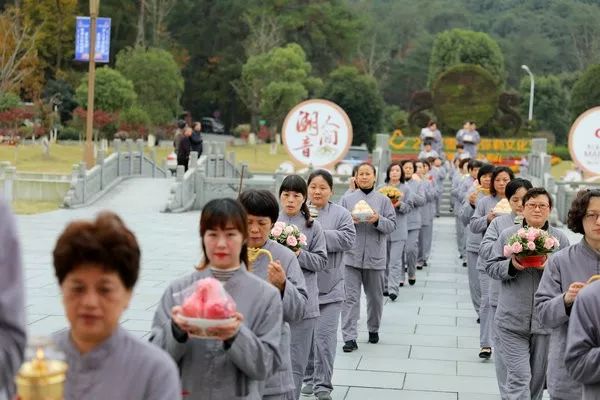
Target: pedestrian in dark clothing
<point>181,125</point>
<point>185,147</point>
<point>196,138</point>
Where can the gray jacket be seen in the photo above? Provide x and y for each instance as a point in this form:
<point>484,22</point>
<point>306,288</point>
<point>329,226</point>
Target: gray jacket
<point>466,213</point>
<point>122,367</point>
<point>340,236</point>
<point>416,201</point>
<point>428,210</point>
<point>209,368</point>
<point>492,233</point>
<point>294,300</point>
<point>12,303</point>
<point>515,310</point>
<point>576,263</point>
<point>313,259</point>
<point>479,224</point>
<point>582,354</point>
<point>370,249</point>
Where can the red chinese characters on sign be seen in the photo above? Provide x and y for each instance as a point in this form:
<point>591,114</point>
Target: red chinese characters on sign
<point>308,123</point>
<point>306,147</point>
<point>330,133</point>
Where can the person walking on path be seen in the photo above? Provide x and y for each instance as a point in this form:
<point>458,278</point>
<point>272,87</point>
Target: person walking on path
<point>184,149</point>
<point>515,191</point>
<point>12,303</point>
<point>365,262</point>
<point>522,339</point>
<point>196,140</point>
<point>414,221</point>
<point>433,134</point>
<point>293,196</point>
<point>469,138</point>
<point>340,236</point>
<point>284,273</point>
<point>565,274</point>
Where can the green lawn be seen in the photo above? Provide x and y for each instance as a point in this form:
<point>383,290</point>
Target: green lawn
<point>33,207</point>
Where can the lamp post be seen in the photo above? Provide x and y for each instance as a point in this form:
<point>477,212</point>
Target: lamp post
<point>526,68</point>
<point>88,153</point>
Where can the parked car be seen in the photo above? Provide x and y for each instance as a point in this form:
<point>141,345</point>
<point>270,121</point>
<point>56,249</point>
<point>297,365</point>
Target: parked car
<point>354,156</point>
<point>211,125</point>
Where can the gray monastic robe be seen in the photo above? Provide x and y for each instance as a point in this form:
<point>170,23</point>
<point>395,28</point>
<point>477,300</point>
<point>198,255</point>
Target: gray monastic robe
<point>122,367</point>
<point>209,368</point>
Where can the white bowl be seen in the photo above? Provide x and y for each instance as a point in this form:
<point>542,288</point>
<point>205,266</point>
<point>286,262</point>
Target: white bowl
<point>204,323</point>
<point>363,216</point>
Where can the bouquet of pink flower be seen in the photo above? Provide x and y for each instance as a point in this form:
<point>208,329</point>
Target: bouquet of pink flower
<point>530,246</point>
<point>288,235</point>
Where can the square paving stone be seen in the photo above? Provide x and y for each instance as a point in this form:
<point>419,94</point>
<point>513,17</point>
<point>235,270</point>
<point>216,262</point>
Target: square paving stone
<point>480,368</point>
<point>436,353</point>
<point>382,394</point>
<point>444,383</point>
<point>368,379</point>
<point>408,365</point>
<point>446,330</point>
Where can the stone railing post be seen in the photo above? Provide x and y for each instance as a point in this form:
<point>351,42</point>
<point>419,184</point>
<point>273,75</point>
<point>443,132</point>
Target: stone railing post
<point>100,162</point>
<point>193,162</point>
<point>129,145</point>
<point>117,149</point>
<point>9,177</point>
<point>140,148</point>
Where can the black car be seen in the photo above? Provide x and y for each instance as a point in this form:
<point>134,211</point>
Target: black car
<point>211,125</point>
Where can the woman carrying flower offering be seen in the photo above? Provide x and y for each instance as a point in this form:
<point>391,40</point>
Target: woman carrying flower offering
<point>97,264</point>
<point>365,262</point>
<point>340,236</point>
<point>522,339</point>
<point>474,194</point>
<point>427,213</point>
<point>566,273</point>
<point>397,239</point>
<point>515,191</point>
<point>243,353</point>
<point>417,200</point>
<point>312,259</point>
<point>484,214</point>
<point>284,273</point>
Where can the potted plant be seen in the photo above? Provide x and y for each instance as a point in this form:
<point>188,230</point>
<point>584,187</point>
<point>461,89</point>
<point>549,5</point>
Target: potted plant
<point>531,246</point>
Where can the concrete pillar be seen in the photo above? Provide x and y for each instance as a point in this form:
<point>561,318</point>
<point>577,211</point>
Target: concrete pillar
<point>117,149</point>
<point>129,145</point>
<point>193,162</point>
<point>180,173</point>
<point>9,177</point>
<point>100,162</point>
<point>140,148</point>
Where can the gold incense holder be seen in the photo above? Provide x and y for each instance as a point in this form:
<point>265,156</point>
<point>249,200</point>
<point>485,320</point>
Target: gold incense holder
<point>41,378</point>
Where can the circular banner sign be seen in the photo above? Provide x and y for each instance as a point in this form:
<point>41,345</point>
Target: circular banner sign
<point>317,132</point>
<point>584,141</point>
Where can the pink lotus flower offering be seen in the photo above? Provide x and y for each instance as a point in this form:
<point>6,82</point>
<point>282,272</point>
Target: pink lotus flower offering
<point>209,300</point>
<point>288,235</point>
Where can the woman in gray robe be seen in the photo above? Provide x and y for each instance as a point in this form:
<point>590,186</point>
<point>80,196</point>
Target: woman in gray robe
<point>97,264</point>
<point>397,239</point>
<point>293,195</point>
<point>476,193</point>
<point>365,262</point>
<point>427,213</point>
<point>565,274</point>
<point>340,236</point>
<point>243,353</point>
<point>482,217</point>
<point>522,339</point>
<point>284,273</point>
<point>515,190</point>
<point>414,221</point>
<point>582,354</point>
<point>12,303</point>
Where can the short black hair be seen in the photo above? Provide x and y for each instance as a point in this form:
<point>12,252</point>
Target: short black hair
<point>460,146</point>
<point>473,163</point>
<point>389,168</point>
<point>484,170</point>
<point>323,174</point>
<point>181,124</point>
<point>579,208</point>
<point>516,184</point>
<point>260,203</point>
<point>535,192</point>
<point>461,163</point>
<point>295,183</point>
<point>428,142</point>
<point>498,171</point>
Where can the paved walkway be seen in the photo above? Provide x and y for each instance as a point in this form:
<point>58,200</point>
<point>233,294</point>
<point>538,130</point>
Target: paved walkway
<point>429,336</point>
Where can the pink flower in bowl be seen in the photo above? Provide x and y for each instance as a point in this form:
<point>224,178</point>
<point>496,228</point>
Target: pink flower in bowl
<point>507,251</point>
<point>531,245</point>
<point>517,247</point>
<point>276,231</point>
<point>291,241</point>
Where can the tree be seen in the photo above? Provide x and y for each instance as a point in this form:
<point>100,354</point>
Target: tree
<point>61,94</point>
<point>459,46</point>
<point>157,81</point>
<point>19,63</point>
<point>360,98</point>
<point>274,82</point>
<point>586,92</point>
<point>55,22</point>
<point>551,105</point>
<point>8,101</point>
<point>113,92</point>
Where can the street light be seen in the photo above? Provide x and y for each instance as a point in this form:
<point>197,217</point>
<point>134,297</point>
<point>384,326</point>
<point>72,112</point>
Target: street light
<point>526,68</point>
<point>88,153</point>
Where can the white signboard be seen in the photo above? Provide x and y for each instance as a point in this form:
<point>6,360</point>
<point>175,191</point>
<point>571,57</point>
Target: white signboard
<point>584,141</point>
<point>317,132</point>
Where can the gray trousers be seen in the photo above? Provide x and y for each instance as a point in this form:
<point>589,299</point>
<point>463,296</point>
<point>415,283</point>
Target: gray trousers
<point>411,251</point>
<point>437,205</point>
<point>526,358</point>
<point>463,240</point>
<point>372,280</point>
<point>425,239</point>
<point>320,363</point>
<point>394,271</point>
<point>485,322</point>
<point>498,360</point>
<point>474,285</point>
<point>285,396</point>
<point>301,343</point>
<point>460,233</point>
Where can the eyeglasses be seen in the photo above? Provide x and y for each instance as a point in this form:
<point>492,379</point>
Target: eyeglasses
<point>533,206</point>
<point>591,217</point>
